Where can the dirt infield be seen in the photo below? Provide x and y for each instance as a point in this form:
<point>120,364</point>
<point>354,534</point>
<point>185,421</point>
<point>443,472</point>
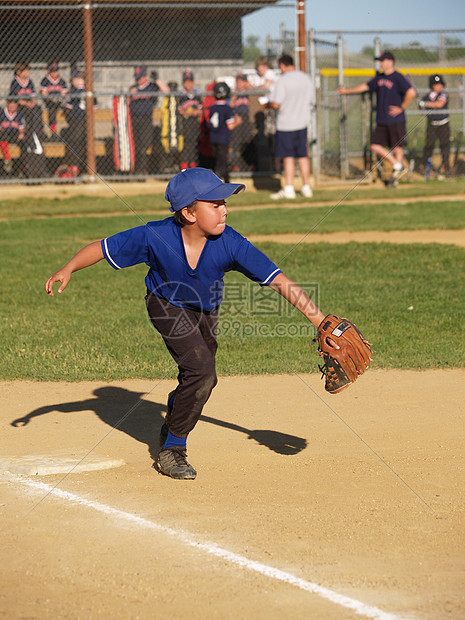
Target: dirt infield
<point>306,505</point>
<point>452,237</point>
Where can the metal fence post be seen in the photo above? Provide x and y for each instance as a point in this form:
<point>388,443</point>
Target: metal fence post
<point>344,160</point>
<point>301,48</point>
<point>314,141</point>
<point>377,52</point>
<point>463,103</point>
<point>88,61</point>
<point>377,48</point>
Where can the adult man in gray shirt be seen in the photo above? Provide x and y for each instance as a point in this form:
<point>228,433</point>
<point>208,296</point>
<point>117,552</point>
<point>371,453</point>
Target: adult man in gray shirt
<point>292,96</point>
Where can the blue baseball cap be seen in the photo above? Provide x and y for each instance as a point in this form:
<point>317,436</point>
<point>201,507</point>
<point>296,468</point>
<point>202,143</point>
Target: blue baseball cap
<point>198,184</point>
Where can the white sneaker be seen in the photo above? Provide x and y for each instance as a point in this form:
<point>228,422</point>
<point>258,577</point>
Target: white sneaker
<point>283,193</point>
<point>397,172</point>
<point>306,191</point>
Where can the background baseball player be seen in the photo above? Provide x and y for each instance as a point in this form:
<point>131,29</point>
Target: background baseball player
<point>243,148</point>
<point>190,108</point>
<point>75,134</point>
<point>437,127</point>
<point>143,100</point>
<point>33,161</point>
<point>12,126</point>
<point>53,88</point>
<point>221,122</point>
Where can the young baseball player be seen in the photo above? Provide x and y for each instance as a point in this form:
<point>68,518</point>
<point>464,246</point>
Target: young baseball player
<point>437,128</point>
<point>12,126</point>
<point>222,121</point>
<point>53,88</point>
<point>188,255</point>
<point>33,161</point>
<point>143,101</point>
<point>243,148</point>
<point>74,135</point>
<point>190,108</point>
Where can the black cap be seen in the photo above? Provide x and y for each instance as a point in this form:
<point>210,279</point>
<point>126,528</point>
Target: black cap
<point>385,56</point>
<point>52,66</point>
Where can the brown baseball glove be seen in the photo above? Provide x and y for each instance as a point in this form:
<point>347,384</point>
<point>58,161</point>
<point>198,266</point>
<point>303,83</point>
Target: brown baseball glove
<point>342,366</point>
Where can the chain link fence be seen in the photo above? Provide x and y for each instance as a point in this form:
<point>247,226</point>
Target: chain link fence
<point>121,90</point>
<point>345,122</point>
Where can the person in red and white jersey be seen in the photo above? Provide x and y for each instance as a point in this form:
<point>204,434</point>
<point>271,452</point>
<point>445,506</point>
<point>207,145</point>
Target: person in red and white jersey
<point>53,87</point>
<point>12,126</point>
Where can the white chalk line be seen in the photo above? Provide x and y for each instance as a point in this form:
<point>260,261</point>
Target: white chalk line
<point>211,548</point>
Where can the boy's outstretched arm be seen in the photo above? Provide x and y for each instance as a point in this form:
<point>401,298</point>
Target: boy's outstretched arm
<point>296,296</point>
<point>87,256</point>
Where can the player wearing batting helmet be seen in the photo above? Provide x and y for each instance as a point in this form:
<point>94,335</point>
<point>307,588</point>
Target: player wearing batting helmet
<point>221,122</point>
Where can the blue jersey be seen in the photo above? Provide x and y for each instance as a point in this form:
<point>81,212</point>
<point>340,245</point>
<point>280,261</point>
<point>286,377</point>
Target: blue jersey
<point>160,245</point>
<point>220,114</point>
<point>390,90</point>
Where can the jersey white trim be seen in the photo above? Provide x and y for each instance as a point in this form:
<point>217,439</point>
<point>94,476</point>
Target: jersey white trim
<point>271,275</point>
<point>108,257</point>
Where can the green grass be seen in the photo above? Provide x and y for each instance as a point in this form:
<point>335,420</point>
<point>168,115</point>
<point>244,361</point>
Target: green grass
<point>386,216</point>
<point>97,329</point>
<point>144,205</point>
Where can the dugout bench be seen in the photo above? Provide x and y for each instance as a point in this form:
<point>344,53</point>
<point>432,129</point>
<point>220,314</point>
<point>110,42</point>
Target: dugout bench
<point>56,149</point>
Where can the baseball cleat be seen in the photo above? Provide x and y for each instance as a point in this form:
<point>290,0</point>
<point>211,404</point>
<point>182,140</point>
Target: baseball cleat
<point>172,462</point>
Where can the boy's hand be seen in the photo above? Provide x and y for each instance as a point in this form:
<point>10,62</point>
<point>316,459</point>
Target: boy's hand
<point>63,276</point>
<point>88,255</point>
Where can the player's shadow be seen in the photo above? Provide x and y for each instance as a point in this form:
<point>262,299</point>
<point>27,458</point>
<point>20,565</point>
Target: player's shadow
<point>282,443</point>
<point>122,409</point>
<point>130,413</point>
